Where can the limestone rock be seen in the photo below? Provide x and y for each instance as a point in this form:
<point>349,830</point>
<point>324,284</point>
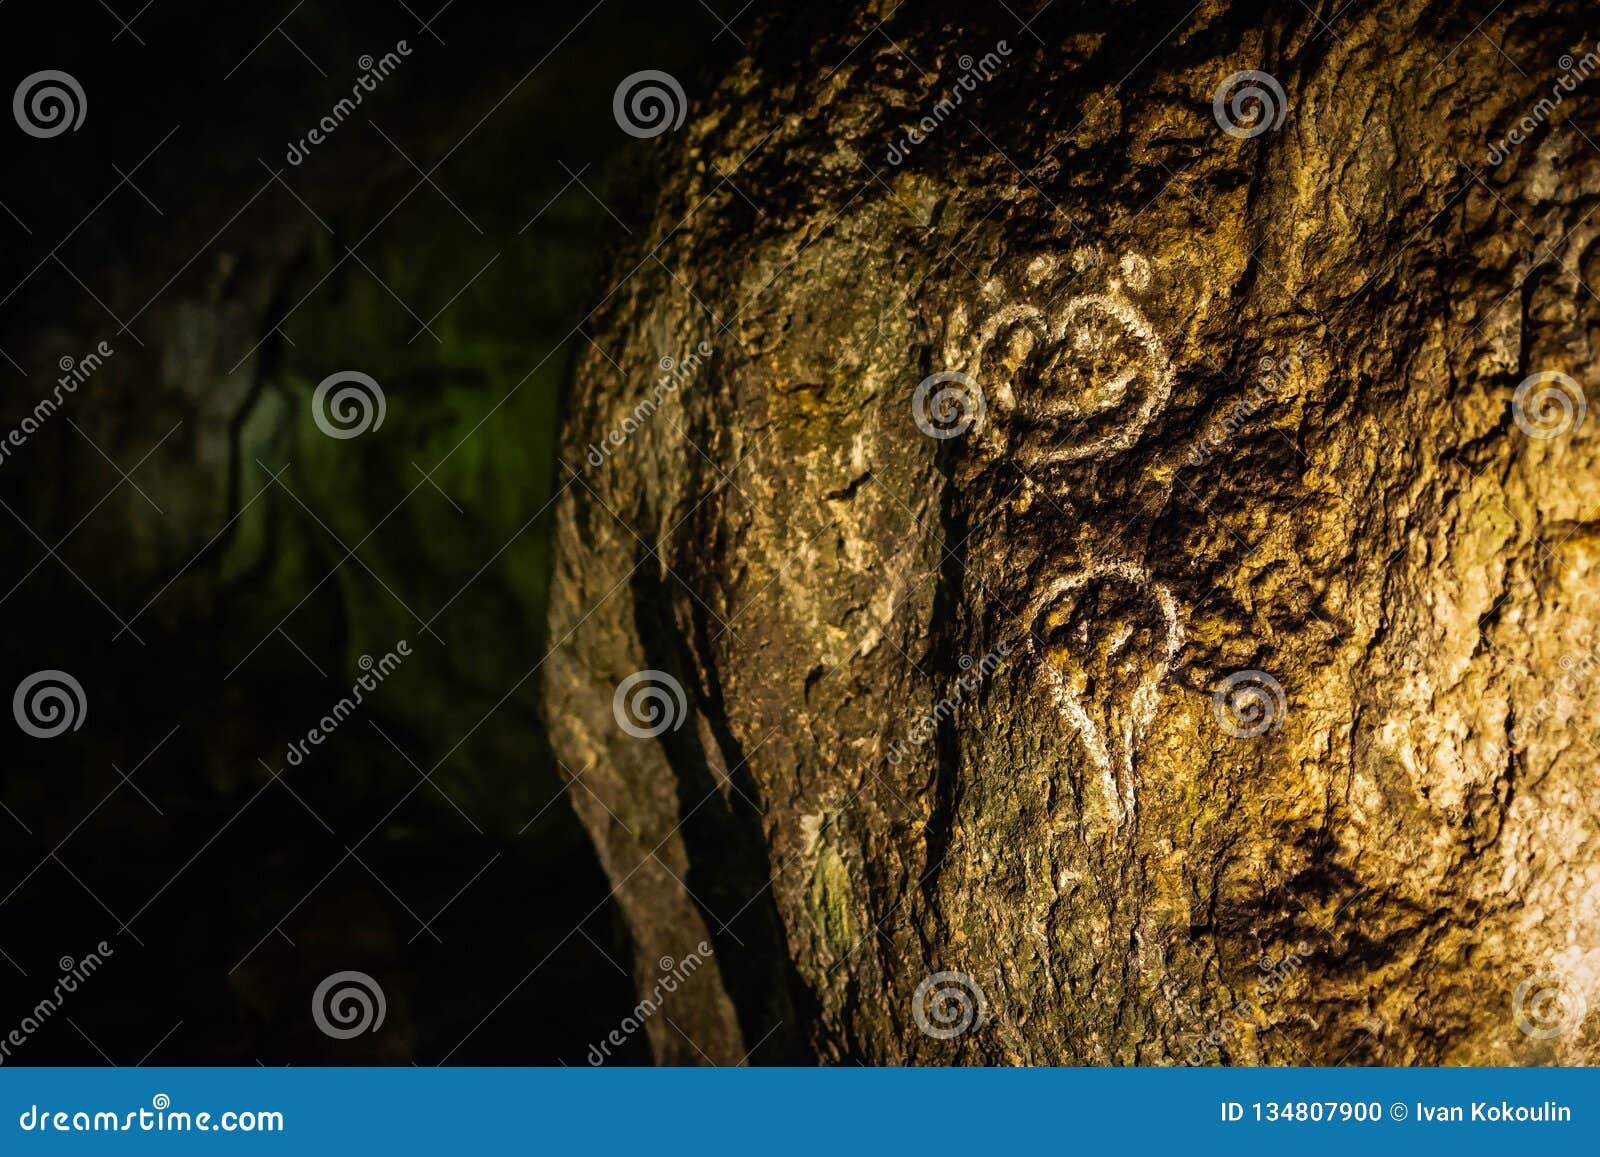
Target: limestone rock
<point>1106,553</point>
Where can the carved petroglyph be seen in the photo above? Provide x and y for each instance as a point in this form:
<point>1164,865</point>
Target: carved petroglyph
<point>1073,371</point>
<point>1105,636</point>
<point>1074,378</point>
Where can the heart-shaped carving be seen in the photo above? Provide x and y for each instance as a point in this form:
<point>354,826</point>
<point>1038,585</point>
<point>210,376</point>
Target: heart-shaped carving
<point>1080,379</point>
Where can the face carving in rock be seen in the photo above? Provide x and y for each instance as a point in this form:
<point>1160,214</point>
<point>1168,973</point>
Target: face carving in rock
<point>1074,371</point>
<point>1081,377</point>
<point>1104,639</point>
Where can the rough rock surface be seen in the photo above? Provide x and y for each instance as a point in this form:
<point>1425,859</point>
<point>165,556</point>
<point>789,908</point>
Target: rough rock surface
<point>1402,866</point>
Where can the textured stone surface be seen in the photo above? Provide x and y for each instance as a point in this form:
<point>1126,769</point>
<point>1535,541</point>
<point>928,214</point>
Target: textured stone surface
<point>1143,510</point>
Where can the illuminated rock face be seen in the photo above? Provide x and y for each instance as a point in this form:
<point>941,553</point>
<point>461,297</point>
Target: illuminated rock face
<point>1202,667</point>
